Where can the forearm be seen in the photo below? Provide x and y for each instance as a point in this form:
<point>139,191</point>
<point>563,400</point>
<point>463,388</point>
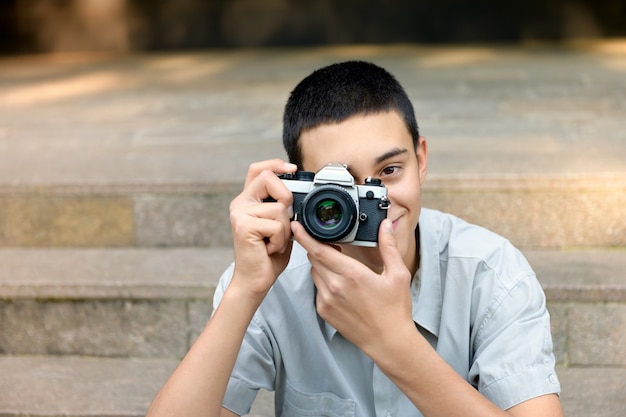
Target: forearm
<point>198,385</point>
<point>428,381</point>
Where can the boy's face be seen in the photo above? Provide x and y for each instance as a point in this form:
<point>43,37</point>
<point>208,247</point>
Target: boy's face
<point>380,146</point>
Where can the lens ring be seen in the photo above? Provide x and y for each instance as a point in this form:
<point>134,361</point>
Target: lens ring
<point>329,213</point>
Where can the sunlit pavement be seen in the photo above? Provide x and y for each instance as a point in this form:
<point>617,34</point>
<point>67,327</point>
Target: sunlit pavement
<point>203,116</point>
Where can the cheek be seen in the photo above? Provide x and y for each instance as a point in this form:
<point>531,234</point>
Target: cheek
<point>407,205</point>
<point>407,198</point>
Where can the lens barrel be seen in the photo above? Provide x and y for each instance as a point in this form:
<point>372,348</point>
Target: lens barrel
<point>329,213</point>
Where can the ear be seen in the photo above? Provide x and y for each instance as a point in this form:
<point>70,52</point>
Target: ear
<point>421,151</point>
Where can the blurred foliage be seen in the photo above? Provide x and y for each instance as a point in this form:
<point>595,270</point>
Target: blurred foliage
<point>61,25</point>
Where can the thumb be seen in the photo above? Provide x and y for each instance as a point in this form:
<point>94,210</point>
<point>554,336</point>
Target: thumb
<point>388,247</point>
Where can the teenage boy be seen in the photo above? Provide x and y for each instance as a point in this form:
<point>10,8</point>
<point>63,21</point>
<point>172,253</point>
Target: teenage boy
<point>442,318</point>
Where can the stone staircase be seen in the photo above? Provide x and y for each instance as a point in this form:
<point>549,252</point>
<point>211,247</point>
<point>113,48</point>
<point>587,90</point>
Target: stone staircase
<point>116,173</point>
<point>96,330</point>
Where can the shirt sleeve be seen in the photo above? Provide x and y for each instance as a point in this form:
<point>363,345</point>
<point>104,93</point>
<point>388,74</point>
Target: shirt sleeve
<point>513,359</point>
<point>254,368</point>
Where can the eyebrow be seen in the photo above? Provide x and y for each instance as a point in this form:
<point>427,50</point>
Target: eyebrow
<point>387,155</point>
<point>390,154</point>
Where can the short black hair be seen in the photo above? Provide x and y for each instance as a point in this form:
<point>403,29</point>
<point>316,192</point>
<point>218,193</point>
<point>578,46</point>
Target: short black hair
<point>337,92</point>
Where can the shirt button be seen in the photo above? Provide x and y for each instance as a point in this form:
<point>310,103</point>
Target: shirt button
<point>553,379</point>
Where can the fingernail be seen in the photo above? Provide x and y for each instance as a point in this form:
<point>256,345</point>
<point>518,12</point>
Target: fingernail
<point>290,212</point>
<point>388,225</point>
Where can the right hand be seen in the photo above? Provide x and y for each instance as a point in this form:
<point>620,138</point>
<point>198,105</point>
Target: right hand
<point>261,231</point>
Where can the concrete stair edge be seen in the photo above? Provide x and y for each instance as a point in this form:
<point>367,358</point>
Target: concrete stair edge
<point>154,302</point>
<point>85,387</point>
<point>532,211</point>
<point>586,275</point>
<point>111,273</point>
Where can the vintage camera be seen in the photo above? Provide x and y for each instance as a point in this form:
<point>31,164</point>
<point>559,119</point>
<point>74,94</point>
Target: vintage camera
<point>333,209</point>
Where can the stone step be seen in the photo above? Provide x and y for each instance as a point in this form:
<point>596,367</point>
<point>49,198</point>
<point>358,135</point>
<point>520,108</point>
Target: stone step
<point>533,212</point>
<point>114,387</point>
<point>586,296</point>
<point>153,302</point>
<point>106,302</point>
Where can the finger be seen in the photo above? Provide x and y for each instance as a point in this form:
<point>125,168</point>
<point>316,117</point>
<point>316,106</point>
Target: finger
<point>322,253</point>
<point>266,210</point>
<point>277,166</point>
<point>269,232</point>
<point>276,211</point>
<point>277,241</point>
<point>388,247</point>
<point>266,184</point>
<point>245,216</point>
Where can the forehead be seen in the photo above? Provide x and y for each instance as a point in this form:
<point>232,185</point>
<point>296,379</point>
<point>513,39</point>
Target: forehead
<point>356,141</point>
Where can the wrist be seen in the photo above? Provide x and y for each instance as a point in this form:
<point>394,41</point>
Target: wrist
<point>399,353</point>
<point>245,292</point>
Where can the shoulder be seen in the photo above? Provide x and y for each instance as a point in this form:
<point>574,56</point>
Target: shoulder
<point>481,269</point>
<point>457,241</point>
<point>457,236</point>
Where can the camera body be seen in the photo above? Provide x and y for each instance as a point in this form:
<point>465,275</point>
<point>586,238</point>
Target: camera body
<point>333,209</point>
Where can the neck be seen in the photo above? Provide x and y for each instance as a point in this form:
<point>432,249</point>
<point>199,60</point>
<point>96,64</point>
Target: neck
<point>412,260</point>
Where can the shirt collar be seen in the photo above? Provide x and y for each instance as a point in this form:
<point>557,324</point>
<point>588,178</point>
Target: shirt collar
<point>426,291</point>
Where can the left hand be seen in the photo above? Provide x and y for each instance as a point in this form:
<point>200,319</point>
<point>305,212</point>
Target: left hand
<point>365,307</point>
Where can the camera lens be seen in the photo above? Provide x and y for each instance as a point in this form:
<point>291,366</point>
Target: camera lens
<point>329,213</point>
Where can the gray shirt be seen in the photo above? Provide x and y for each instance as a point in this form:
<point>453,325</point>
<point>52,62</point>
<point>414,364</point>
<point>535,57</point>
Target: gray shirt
<point>475,299</point>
